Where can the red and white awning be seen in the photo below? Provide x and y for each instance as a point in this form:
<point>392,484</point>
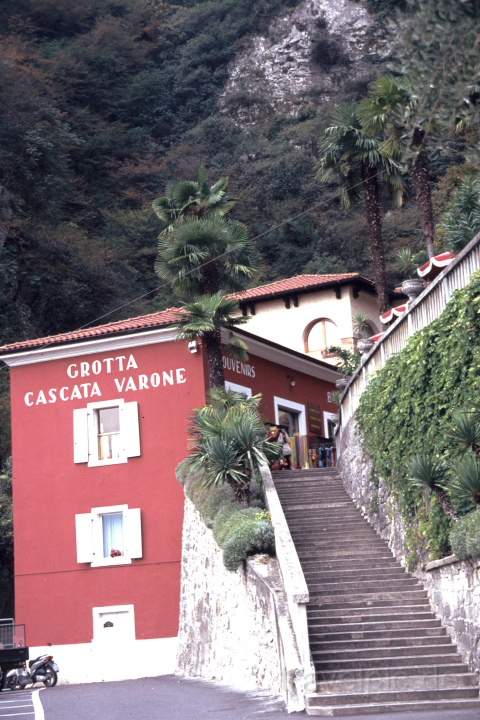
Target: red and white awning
<point>393,313</point>
<point>376,338</point>
<point>435,265</point>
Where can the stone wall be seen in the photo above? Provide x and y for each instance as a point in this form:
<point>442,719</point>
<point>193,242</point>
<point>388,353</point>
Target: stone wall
<point>453,586</point>
<point>228,620</point>
<point>454,590</point>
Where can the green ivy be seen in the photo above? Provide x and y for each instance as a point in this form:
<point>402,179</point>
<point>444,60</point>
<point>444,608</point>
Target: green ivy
<point>408,406</point>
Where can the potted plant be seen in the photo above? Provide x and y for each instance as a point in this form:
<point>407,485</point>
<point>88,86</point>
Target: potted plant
<point>406,262</point>
<point>364,345</point>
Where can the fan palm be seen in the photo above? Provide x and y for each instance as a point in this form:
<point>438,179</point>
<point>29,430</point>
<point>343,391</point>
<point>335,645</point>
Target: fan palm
<point>229,443</point>
<point>465,487</point>
<point>205,255</point>
<point>430,475</point>
<point>390,112</point>
<point>355,159</point>
<point>193,198</point>
<point>464,433</point>
<point>205,317</point>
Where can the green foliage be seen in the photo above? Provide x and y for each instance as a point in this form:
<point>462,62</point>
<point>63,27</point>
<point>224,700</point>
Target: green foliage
<point>206,315</point>
<point>465,536</point>
<point>461,221</point>
<point>239,531</point>
<point>229,444</point>
<point>426,472</point>
<point>407,261</point>
<point>465,485</point>
<point>348,360</point>
<point>409,404</point>
<point>464,432</point>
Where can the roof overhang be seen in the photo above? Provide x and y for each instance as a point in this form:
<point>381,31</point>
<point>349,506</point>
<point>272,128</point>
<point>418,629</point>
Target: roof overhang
<point>87,347</point>
<point>359,282</point>
<point>281,355</point>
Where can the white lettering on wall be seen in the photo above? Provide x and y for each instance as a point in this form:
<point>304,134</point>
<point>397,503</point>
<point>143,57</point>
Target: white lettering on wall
<point>239,367</point>
<point>92,389</point>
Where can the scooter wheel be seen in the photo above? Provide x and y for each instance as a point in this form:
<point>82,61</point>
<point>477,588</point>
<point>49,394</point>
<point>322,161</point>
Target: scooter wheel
<point>51,677</point>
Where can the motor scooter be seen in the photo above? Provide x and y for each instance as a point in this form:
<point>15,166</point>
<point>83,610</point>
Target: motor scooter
<point>42,669</point>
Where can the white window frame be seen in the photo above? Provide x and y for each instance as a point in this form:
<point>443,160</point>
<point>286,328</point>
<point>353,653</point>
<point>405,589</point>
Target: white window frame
<point>99,612</point>
<point>85,430</point>
<point>326,417</point>
<point>235,387</point>
<point>279,403</point>
<point>90,549</point>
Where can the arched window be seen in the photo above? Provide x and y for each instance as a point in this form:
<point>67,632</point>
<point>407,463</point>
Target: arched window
<point>320,335</point>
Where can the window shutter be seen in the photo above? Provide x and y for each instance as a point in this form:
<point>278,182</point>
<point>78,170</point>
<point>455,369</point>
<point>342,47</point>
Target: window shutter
<point>130,429</point>
<point>80,435</point>
<point>84,532</point>
<point>133,532</point>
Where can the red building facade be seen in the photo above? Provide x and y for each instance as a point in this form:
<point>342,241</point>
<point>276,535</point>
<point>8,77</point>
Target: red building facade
<point>99,424</point>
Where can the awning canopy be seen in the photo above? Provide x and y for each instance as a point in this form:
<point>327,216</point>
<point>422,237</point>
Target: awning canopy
<point>434,266</point>
<point>393,313</point>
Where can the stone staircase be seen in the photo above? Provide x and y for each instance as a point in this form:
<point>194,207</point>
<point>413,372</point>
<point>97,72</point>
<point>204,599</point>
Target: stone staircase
<point>375,642</point>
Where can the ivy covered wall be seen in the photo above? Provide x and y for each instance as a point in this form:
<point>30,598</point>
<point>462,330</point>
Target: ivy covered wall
<point>408,406</point>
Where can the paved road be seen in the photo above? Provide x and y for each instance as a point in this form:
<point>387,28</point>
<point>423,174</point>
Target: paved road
<point>18,704</point>
<point>170,698</point>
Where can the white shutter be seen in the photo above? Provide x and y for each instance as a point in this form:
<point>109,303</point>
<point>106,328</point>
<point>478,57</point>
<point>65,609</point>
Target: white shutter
<point>133,532</point>
<point>130,429</point>
<point>84,532</point>
<point>80,435</point>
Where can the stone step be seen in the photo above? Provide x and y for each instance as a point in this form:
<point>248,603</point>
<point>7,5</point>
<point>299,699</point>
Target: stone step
<point>337,533</point>
<point>382,561</point>
<point>345,635</point>
<point>399,695</point>
<point>361,586</point>
<point>343,544</point>
<point>403,624</point>
<point>391,673</point>
<point>326,645</point>
<point>408,702</point>
<point>327,576</point>
<point>421,611</point>
<point>392,682</point>
<point>381,600</point>
<point>324,526</point>
<point>395,653</point>
<point>335,598</point>
<point>393,661</point>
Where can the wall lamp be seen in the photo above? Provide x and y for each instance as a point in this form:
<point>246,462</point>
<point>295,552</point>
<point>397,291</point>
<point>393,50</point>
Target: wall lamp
<point>193,346</point>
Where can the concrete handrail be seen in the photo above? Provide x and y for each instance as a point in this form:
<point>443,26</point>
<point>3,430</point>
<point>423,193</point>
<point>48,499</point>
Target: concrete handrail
<point>294,585</point>
<point>424,310</point>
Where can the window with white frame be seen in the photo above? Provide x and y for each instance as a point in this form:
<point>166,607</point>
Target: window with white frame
<point>106,433</point>
<point>239,389</point>
<point>109,536</point>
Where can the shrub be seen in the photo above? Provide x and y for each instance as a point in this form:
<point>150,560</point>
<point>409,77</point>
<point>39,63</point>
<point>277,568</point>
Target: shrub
<point>249,536</point>
<point>465,536</point>
<point>327,51</point>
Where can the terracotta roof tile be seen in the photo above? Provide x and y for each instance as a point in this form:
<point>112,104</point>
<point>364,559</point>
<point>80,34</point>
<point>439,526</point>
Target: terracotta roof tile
<point>296,284</point>
<point>170,316</point>
<point>142,322</point>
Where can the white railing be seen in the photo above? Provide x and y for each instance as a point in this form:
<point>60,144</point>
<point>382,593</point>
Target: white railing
<point>299,669</point>
<point>424,310</point>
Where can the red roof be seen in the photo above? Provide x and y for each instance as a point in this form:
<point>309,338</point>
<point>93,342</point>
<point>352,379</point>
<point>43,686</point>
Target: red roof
<point>142,322</point>
<point>297,283</point>
<point>151,321</point>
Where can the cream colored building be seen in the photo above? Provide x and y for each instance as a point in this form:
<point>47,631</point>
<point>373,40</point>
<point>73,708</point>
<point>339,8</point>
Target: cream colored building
<point>310,313</point>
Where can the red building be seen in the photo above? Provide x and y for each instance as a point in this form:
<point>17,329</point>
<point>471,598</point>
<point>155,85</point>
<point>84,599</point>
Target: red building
<point>99,423</point>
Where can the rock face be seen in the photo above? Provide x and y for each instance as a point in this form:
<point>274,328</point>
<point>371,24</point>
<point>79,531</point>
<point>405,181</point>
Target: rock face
<point>306,56</point>
<point>228,629</point>
<point>453,586</point>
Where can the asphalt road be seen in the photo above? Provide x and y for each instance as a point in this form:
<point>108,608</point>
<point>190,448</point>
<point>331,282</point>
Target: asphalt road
<point>171,698</point>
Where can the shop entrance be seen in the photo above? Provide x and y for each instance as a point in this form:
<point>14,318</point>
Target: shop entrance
<point>293,416</point>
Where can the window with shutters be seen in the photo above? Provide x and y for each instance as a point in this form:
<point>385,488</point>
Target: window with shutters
<point>106,433</point>
<point>109,536</point>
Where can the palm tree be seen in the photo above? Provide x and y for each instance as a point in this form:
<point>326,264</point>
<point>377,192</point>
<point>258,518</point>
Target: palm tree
<point>205,317</point>
<point>356,159</point>
<point>390,111</point>
<point>205,255</point>
<point>193,198</point>
<point>229,444</point>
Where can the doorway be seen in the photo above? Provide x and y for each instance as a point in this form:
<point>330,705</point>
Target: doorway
<point>293,416</point>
